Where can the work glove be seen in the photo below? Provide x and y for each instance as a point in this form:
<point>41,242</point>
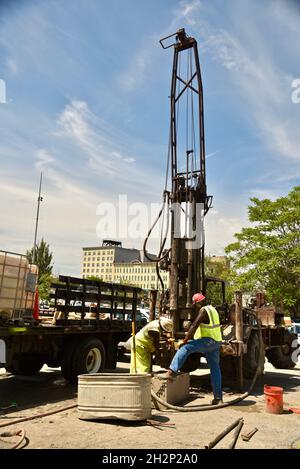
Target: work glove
<point>180,343</point>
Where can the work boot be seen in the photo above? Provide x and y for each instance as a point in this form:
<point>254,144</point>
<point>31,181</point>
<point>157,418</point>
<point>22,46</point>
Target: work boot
<point>216,401</point>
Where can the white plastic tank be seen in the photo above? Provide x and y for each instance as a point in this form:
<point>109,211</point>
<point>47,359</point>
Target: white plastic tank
<point>123,396</point>
<point>18,281</point>
<point>13,273</point>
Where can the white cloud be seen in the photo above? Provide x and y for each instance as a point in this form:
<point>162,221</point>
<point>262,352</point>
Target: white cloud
<point>259,81</point>
<point>147,58</point>
<point>220,230</point>
<point>263,193</point>
<point>210,155</point>
<point>139,67</point>
<point>126,159</point>
<point>98,143</point>
<point>129,160</point>
<point>188,9</point>
<point>44,158</point>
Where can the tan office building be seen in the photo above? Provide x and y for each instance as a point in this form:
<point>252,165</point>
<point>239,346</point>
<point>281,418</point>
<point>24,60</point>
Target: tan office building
<point>99,261</point>
<point>113,263</point>
<point>141,274</point>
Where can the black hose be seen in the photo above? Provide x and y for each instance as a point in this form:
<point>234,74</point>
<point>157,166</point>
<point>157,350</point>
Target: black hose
<point>223,404</point>
<point>149,233</point>
<point>159,257</point>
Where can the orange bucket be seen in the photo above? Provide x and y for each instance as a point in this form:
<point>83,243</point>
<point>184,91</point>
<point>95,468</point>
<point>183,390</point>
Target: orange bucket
<point>274,399</point>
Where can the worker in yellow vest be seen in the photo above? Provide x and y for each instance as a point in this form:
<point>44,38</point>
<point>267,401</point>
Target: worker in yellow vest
<point>147,342</point>
<point>207,339</point>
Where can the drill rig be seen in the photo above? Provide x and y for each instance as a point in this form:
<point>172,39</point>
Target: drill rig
<point>187,202</point>
<point>188,195</point>
<point>187,198</point>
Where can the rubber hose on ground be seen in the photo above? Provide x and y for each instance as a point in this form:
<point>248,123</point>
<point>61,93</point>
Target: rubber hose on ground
<point>203,407</point>
<point>38,416</point>
<point>22,435</point>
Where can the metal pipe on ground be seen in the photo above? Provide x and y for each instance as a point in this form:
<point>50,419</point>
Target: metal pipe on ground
<point>225,432</point>
<point>236,435</point>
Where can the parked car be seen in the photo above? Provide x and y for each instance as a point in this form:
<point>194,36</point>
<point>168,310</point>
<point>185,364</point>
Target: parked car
<point>295,327</point>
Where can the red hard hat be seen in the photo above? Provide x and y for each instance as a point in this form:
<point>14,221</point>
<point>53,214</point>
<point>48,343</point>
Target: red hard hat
<point>197,298</point>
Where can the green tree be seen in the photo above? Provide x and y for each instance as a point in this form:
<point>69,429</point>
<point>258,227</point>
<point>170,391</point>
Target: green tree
<point>220,269</point>
<point>44,285</point>
<point>94,277</point>
<point>43,259</point>
<point>266,255</point>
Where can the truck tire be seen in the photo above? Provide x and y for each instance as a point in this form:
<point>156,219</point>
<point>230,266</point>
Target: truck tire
<point>282,357</point>
<point>26,366</point>
<point>87,356</point>
<point>255,356</point>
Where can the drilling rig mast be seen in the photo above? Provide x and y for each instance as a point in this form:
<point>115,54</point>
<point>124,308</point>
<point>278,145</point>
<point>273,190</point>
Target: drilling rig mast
<point>188,193</point>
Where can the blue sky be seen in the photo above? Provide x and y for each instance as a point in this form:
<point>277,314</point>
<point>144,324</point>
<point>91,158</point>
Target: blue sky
<point>87,103</point>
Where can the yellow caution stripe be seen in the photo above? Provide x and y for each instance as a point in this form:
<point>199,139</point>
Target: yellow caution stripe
<point>17,329</point>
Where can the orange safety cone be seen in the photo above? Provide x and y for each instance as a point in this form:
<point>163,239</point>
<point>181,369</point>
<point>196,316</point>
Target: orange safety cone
<point>36,308</point>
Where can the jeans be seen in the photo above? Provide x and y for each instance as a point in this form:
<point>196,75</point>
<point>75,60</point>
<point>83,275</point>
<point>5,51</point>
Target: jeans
<point>211,351</point>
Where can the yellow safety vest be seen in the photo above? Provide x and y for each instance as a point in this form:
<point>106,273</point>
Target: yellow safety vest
<point>213,329</point>
<point>143,339</point>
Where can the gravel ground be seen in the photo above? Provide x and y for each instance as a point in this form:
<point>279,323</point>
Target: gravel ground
<point>48,391</point>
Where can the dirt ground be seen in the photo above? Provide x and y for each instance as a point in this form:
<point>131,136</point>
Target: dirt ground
<point>48,391</point>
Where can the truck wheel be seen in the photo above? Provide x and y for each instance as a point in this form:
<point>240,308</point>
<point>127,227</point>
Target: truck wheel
<point>87,356</point>
<point>26,366</point>
<point>282,357</point>
<point>255,356</point>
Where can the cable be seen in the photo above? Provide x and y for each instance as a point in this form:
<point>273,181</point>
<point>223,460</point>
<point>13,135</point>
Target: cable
<point>21,433</point>
<point>224,404</point>
<point>33,417</point>
<point>150,231</point>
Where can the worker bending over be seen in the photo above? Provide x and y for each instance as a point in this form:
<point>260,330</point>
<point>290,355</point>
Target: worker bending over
<point>146,343</point>
<point>206,332</point>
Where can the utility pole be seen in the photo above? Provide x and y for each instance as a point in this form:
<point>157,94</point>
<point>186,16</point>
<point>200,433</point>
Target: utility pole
<point>37,219</point>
